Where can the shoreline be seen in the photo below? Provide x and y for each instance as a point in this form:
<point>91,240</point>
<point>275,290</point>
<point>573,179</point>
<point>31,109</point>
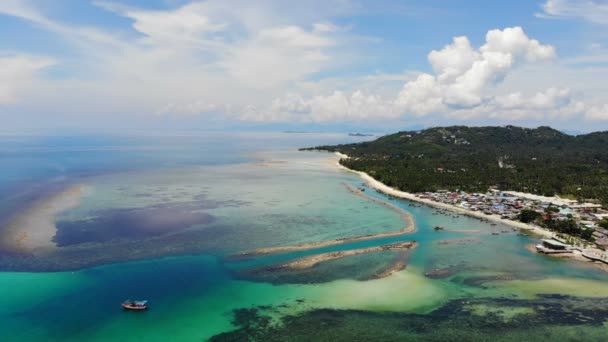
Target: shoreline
<point>412,197</point>
<point>575,255</point>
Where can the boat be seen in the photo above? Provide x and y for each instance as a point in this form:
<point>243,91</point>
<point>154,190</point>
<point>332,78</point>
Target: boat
<point>439,228</point>
<point>135,305</point>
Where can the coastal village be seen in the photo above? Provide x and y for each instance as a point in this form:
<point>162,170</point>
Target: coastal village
<point>509,204</point>
<point>506,206</point>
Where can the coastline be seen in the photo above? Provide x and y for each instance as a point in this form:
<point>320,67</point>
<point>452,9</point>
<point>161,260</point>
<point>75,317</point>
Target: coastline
<point>412,197</point>
<point>575,255</point>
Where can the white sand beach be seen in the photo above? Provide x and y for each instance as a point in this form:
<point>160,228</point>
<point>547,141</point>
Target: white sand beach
<point>412,197</point>
<point>33,229</point>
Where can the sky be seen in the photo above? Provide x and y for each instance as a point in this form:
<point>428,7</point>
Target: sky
<point>330,65</point>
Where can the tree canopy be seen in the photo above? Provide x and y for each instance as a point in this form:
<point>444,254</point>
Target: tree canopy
<point>542,161</point>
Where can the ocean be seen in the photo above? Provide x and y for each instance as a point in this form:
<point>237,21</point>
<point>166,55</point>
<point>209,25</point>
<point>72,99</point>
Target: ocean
<point>165,218</point>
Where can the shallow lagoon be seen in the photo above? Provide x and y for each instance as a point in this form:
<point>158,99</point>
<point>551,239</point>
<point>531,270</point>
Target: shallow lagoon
<point>270,198</point>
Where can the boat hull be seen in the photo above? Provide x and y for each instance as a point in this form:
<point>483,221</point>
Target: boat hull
<point>134,307</point>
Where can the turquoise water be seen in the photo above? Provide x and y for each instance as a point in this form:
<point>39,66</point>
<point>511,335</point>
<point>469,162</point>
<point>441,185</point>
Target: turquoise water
<point>259,197</point>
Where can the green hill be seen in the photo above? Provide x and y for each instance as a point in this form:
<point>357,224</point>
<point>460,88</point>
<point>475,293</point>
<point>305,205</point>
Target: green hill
<point>543,160</point>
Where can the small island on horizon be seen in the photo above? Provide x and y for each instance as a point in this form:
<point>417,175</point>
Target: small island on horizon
<point>360,135</point>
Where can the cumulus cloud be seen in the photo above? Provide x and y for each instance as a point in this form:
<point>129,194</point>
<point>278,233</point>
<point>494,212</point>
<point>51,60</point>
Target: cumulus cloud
<point>463,87</point>
<point>463,74</point>
<point>421,96</point>
<point>589,10</point>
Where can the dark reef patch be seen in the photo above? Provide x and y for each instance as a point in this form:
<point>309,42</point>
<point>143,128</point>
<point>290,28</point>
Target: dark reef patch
<point>550,318</point>
<point>136,223</point>
<point>480,280</point>
<point>216,239</point>
<point>444,272</point>
<point>114,224</point>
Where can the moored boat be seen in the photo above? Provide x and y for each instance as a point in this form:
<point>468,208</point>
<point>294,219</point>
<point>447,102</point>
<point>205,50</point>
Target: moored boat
<point>135,305</point>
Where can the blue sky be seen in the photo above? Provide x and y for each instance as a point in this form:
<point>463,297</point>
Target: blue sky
<point>79,65</point>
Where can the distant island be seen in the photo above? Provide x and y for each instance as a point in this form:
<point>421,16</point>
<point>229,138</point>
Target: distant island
<point>541,161</point>
<point>349,134</point>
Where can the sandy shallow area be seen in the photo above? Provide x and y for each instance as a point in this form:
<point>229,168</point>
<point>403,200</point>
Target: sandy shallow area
<point>33,229</point>
<point>406,217</point>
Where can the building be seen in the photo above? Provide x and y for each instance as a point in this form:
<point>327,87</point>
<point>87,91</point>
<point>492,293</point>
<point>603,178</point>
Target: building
<point>552,246</point>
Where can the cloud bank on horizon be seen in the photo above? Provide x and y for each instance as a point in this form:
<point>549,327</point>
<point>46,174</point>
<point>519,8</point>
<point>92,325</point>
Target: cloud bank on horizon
<point>311,63</point>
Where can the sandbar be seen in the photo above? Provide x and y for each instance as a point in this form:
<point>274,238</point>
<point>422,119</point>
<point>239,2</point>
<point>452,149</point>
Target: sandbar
<point>313,260</point>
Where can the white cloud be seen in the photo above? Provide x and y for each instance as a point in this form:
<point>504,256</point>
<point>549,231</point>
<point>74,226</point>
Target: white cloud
<point>421,96</point>
<point>599,112</point>
<point>185,23</point>
<point>464,74</point>
<point>464,87</point>
<point>454,59</point>
<point>236,58</point>
<point>548,99</point>
<point>513,41</point>
<point>589,10</point>
<point>334,107</point>
<point>17,73</point>
<point>552,103</point>
<point>203,56</point>
<point>278,54</point>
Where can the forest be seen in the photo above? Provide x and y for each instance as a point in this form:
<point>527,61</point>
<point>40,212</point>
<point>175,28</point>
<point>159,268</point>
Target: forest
<point>539,160</point>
